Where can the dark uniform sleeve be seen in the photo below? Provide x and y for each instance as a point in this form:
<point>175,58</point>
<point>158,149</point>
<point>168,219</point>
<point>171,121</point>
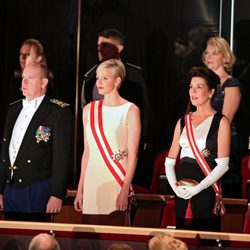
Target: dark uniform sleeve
<point>87,86</point>
<point>3,173</point>
<point>4,154</point>
<point>134,89</point>
<point>62,152</point>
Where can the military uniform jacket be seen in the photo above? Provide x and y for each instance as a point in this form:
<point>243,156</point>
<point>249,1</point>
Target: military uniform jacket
<point>42,157</point>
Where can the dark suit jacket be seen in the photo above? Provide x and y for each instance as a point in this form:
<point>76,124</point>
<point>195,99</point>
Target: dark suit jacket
<point>44,160</point>
<point>133,89</point>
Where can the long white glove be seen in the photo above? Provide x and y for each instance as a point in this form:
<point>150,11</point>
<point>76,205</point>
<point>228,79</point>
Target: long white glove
<point>220,169</point>
<point>171,176</point>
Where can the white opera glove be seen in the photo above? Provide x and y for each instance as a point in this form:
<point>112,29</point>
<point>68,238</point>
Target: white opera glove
<point>171,176</point>
<point>220,169</point>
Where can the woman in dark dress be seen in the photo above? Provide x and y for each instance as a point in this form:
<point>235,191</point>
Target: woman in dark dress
<point>219,58</point>
<point>211,132</point>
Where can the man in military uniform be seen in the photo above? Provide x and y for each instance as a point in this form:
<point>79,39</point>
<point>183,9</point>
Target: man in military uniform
<point>110,44</point>
<point>36,151</point>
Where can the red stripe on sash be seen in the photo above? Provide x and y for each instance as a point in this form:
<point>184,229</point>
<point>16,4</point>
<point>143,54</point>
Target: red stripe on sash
<point>107,158</point>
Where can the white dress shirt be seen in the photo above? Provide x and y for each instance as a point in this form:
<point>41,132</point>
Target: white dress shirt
<point>21,125</point>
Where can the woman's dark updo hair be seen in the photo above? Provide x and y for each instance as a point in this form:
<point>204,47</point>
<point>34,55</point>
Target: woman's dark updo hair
<point>212,80</point>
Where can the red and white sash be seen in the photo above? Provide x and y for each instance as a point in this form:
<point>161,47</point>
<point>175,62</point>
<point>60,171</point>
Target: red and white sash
<point>219,206</point>
<point>96,126</point>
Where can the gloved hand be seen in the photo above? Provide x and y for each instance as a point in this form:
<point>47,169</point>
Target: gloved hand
<point>214,176</point>
<point>171,176</point>
<point>189,191</point>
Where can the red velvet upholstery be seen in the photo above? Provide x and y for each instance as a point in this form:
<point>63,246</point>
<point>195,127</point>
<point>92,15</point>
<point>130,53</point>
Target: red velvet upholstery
<point>168,215</point>
<point>159,169</point>
<point>246,229</point>
<point>245,173</point>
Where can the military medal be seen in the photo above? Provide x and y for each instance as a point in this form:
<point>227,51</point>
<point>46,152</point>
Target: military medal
<point>205,152</point>
<point>43,134</point>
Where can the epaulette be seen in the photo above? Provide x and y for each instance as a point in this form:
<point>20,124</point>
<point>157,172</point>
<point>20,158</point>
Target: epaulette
<point>60,103</point>
<point>133,66</point>
<point>12,103</point>
<point>90,71</point>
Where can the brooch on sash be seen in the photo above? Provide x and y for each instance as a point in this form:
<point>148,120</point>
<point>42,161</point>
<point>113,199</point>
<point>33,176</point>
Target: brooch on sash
<point>205,152</point>
<point>43,134</point>
<point>119,155</point>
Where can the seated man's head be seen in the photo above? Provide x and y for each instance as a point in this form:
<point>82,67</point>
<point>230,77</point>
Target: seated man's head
<point>110,44</point>
<point>44,241</point>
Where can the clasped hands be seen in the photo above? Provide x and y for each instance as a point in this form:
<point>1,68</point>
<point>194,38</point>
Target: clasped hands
<point>187,192</point>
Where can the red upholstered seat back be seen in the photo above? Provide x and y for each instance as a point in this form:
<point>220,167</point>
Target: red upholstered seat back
<point>245,173</point>
<point>159,169</point>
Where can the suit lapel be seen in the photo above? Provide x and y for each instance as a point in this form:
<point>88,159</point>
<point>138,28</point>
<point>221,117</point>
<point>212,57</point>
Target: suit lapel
<point>35,122</point>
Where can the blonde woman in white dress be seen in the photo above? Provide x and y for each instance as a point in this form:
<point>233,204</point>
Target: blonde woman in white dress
<point>112,130</point>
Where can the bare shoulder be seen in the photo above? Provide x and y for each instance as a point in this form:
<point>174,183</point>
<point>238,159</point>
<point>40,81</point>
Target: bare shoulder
<point>134,109</point>
<point>86,108</point>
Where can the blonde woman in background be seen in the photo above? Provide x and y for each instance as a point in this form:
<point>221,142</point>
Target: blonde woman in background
<point>219,58</point>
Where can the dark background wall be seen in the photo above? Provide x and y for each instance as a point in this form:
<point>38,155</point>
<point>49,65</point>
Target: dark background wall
<point>151,28</point>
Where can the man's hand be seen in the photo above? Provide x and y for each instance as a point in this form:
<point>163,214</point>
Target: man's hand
<point>54,205</point>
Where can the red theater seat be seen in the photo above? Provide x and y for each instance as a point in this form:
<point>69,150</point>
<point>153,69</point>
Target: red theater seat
<point>168,215</point>
<point>158,169</point>
<point>245,173</point>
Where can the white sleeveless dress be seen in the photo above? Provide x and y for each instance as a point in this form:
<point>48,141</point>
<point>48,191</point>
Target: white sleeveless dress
<point>101,189</point>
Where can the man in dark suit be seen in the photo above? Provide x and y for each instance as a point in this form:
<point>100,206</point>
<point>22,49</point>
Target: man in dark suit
<point>36,151</point>
<point>110,44</point>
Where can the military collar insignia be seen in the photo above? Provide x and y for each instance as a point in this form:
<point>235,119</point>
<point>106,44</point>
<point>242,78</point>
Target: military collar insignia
<point>59,103</point>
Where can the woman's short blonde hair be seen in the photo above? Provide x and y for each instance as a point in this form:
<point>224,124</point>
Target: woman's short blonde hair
<point>166,242</point>
<point>221,45</point>
<point>117,67</point>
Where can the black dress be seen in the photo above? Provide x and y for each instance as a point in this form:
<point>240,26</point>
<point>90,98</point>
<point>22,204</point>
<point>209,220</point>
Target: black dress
<point>202,203</point>
<point>231,181</point>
